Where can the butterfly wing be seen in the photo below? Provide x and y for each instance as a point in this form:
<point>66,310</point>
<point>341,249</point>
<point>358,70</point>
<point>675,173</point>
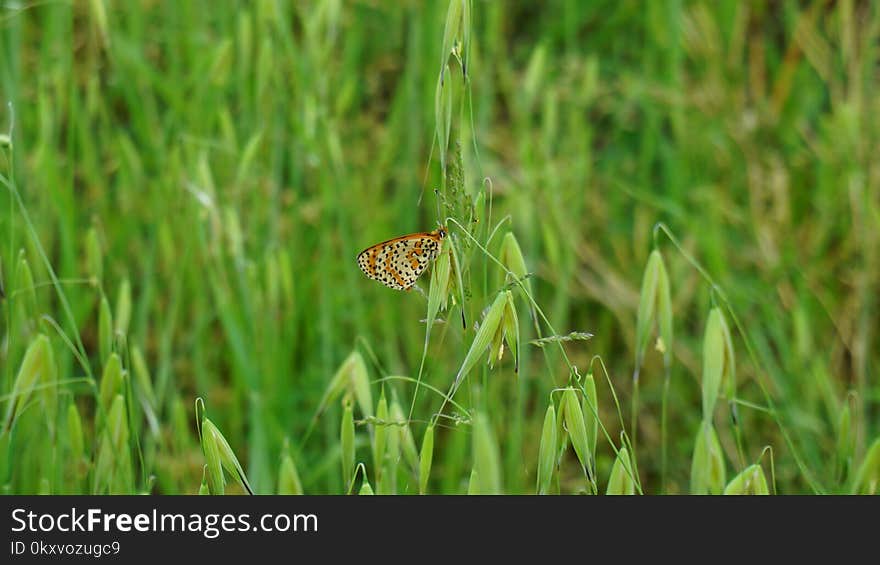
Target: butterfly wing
<point>398,262</point>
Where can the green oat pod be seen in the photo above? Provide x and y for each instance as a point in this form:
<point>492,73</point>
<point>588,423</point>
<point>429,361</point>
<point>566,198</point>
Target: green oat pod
<point>577,430</point>
<point>707,464</point>
<point>750,481</point>
<point>713,362</point>
<point>75,439</point>
<point>426,457</point>
<point>590,407</point>
<point>483,339</point>
<point>117,424</point>
<point>113,468</point>
<point>351,375</point>
<point>346,441</point>
<point>547,451</point>
<point>228,459</point>
<point>510,326</point>
<point>360,384</point>
<point>511,257</point>
<point>288,476</point>
<point>211,450</point>
<point>621,478</point>
<point>112,380</point>
<point>38,365</point>
<point>647,311</point>
<point>728,379</point>
<point>486,458</point>
<point>380,433</point>
<point>439,288</point>
<point>664,312</point>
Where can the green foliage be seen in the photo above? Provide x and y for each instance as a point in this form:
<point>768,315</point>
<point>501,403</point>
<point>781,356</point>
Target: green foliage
<point>183,195</point>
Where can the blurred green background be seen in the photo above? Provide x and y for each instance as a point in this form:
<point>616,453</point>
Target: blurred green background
<point>212,169</point>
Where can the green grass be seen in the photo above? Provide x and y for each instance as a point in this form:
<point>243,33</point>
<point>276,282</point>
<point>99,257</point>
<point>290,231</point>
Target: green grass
<point>187,185</point>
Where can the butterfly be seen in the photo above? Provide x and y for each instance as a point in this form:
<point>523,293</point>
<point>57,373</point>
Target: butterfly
<point>398,262</point>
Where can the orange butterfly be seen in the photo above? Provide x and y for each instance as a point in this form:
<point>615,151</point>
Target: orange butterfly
<point>398,262</point>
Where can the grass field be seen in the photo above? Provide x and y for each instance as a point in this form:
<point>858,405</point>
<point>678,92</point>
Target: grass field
<point>664,233</point>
